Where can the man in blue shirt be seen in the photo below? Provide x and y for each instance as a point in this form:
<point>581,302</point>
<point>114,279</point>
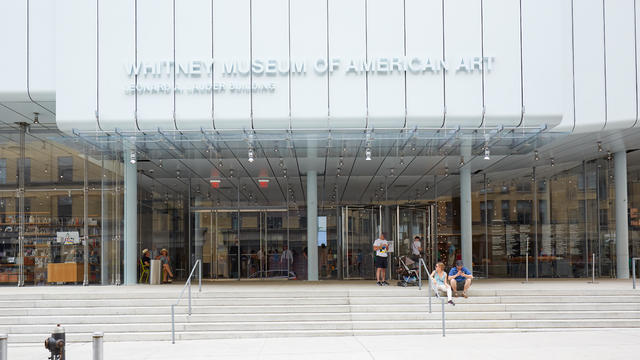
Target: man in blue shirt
<point>460,279</point>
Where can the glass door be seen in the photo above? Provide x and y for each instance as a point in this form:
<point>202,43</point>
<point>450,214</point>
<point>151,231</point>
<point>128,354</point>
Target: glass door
<point>412,221</point>
<point>361,226</point>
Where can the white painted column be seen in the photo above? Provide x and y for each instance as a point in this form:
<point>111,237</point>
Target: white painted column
<point>466,235</point>
<point>622,224</point>
<point>130,218</point>
<point>312,225</point>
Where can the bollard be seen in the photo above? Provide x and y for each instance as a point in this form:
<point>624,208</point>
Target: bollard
<point>3,347</point>
<point>98,339</point>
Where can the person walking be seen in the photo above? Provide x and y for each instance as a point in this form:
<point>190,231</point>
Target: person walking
<point>416,249</point>
<point>381,247</point>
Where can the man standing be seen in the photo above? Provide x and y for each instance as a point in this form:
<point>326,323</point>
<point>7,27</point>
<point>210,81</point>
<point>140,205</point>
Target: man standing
<point>381,247</point>
<point>416,249</point>
<point>460,279</point>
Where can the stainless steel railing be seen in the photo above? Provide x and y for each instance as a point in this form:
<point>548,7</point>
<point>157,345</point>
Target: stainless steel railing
<point>198,264</point>
<point>633,270</point>
<point>422,264</point>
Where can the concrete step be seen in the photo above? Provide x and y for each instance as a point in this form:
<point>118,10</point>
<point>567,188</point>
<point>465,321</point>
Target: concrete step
<point>9,321</point>
<point>329,325</point>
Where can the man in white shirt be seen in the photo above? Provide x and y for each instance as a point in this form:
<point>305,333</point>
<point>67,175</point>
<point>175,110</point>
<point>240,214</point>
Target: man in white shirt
<point>286,258</point>
<point>416,249</point>
<point>381,247</point>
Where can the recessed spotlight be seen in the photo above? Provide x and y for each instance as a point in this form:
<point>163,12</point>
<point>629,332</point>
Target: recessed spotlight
<point>367,154</point>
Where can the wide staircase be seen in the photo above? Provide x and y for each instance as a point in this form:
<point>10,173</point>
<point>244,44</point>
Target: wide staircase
<point>142,313</point>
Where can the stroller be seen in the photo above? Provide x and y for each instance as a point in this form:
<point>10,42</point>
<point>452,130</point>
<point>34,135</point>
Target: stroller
<point>407,271</point>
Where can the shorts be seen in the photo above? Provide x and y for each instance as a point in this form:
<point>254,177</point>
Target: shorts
<point>460,285</point>
<point>381,262</point>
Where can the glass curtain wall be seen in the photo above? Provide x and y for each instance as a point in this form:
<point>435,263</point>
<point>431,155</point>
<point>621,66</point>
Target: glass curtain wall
<point>57,214</point>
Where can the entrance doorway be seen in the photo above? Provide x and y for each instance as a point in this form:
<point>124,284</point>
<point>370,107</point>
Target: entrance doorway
<point>360,227</point>
<point>412,221</point>
<point>243,243</point>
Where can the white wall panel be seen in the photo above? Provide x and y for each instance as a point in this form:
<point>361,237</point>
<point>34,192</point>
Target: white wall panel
<point>116,107</point>
<point>463,88</point>
<point>309,92</point>
<point>41,50</point>
<point>271,42</point>
<point>546,54</point>
<point>193,43</point>
<point>231,44</point>
<point>76,71</point>
<point>13,37</point>
<point>425,89</point>
<point>347,92</point>
<point>155,44</point>
<point>589,65</point>
<point>385,37</point>
<point>502,90</point>
<point>621,62</point>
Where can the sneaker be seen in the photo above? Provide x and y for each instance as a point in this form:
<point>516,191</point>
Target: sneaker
<point>379,283</point>
<point>450,302</point>
<point>465,295</point>
<point>385,283</point>
<point>455,294</point>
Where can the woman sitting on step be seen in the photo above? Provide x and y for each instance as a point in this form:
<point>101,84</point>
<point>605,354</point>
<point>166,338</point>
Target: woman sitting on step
<point>439,277</point>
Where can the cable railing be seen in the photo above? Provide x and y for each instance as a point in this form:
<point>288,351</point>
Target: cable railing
<point>198,264</point>
<point>422,264</point>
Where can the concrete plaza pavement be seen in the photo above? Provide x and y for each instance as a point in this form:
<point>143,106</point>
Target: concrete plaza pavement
<point>580,344</point>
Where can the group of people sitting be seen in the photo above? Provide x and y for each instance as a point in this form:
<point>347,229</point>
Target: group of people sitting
<point>458,279</point>
<point>165,260</point>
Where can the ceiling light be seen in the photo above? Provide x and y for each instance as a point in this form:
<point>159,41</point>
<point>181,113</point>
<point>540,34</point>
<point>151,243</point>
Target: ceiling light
<point>553,163</point>
<point>35,118</point>
<point>446,171</point>
<point>220,164</point>
<point>132,158</point>
<point>461,163</point>
<point>487,153</point>
<point>600,146</point>
<point>609,157</point>
<point>413,147</point>
<point>275,149</point>
<point>251,155</point>
<point>401,161</point>
<point>536,156</point>
<point>367,154</point>
<point>160,163</point>
<point>231,173</point>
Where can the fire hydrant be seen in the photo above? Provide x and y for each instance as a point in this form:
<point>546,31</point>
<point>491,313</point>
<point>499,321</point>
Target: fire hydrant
<point>55,344</point>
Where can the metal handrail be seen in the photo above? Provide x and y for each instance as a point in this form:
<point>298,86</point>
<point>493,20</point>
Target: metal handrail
<point>198,264</point>
<point>422,264</point>
<point>633,270</point>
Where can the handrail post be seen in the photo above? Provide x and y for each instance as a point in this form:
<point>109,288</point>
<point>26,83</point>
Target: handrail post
<point>633,270</point>
<point>429,284</point>
<point>420,274</point>
<point>443,327</point>
<point>199,276</point>
<point>189,282</point>
<point>593,267</point>
<point>173,324</point>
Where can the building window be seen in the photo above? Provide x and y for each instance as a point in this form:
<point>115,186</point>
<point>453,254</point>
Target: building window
<point>523,208</point>
<point>27,170</point>
<point>3,171</point>
<point>65,169</point>
<point>505,210</point>
<point>486,211</point>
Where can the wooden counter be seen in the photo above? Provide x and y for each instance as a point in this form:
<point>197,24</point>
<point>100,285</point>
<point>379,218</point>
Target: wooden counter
<point>65,272</point>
